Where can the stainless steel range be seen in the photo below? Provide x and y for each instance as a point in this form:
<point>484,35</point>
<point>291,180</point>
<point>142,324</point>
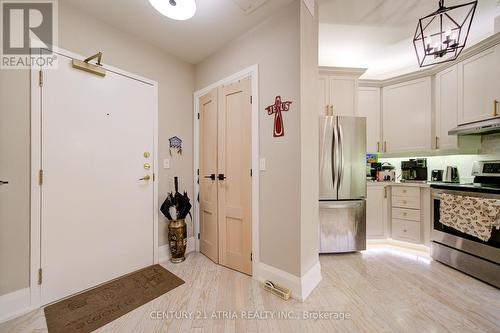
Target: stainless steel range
<point>460,250</point>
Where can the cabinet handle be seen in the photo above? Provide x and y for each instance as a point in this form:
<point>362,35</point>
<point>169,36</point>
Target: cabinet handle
<point>437,142</point>
<point>495,110</point>
<point>385,146</point>
<point>385,192</point>
<point>331,110</point>
<point>378,146</point>
<point>326,110</point>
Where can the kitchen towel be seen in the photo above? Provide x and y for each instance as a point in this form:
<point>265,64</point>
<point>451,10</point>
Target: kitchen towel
<point>471,215</point>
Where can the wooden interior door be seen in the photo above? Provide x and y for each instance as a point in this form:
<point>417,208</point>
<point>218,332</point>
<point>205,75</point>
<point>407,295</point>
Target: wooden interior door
<point>207,177</point>
<point>234,176</point>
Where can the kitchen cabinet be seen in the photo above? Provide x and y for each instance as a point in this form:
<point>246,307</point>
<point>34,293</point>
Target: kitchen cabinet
<point>369,107</point>
<point>407,110</point>
<point>446,108</point>
<point>406,214</point>
<point>376,207</point>
<point>479,86</point>
<point>338,90</point>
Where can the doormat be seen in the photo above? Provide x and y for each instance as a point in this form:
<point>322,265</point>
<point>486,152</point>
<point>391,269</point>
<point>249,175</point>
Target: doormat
<point>94,308</point>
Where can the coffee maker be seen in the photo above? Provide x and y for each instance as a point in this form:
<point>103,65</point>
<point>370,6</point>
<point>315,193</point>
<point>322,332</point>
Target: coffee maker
<point>414,170</point>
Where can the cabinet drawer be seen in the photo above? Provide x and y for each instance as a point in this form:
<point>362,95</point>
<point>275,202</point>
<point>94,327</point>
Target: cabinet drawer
<point>406,214</point>
<point>406,202</point>
<point>404,191</point>
<point>406,230</point>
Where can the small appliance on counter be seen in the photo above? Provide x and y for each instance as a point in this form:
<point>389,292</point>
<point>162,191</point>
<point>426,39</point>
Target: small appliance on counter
<point>414,170</point>
<point>452,175</point>
<point>388,173</point>
<point>437,175</point>
<point>373,170</point>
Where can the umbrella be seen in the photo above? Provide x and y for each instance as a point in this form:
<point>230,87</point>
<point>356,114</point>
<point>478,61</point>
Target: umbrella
<point>179,201</point>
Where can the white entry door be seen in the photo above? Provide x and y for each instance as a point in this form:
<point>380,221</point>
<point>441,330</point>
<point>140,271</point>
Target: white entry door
<point>97,210</point>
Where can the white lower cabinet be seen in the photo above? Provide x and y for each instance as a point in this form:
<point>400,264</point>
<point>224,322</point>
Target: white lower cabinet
<point>406,214</point>
<point>399,212</point>
<point>376,208</point>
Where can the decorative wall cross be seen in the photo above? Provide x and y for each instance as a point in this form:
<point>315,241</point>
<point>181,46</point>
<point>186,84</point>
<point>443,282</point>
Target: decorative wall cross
<point>276,109</point>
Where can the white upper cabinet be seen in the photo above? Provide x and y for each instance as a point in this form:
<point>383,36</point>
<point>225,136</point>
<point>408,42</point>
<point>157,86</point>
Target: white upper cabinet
<point>446,108</point>
<point>369,107</point>
<point>338,90</point>
<point>479,86</point>
<point>343,95</point>
<point>324,95</point>
<point>406,113</point>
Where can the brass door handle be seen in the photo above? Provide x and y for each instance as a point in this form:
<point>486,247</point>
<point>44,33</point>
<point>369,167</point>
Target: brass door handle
<point>146,177</point>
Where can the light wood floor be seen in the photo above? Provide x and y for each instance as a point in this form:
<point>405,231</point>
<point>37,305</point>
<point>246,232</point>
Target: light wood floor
<point>383,290</point>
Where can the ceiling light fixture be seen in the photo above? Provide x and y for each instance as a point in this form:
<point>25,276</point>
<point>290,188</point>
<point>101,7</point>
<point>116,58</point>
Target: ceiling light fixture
<point>441,36</point>
<point>175,9</point>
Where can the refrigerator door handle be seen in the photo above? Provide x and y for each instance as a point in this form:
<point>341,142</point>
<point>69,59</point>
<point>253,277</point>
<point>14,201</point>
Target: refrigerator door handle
<point>341,158</point>
<point>335,162</point>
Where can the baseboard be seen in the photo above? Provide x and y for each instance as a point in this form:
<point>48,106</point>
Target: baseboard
<point>164,250</point>
<point>300,287</point>
<point>310,280</point>
<point>15,304</point>
<point>396,243</point>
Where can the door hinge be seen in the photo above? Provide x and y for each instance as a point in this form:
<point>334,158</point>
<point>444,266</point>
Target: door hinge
<point>40,177</point>
<point>251,99</point>
<point>198,235</point>
<point>40,78</point>
<point>251,256</point>
<point>39,276</point>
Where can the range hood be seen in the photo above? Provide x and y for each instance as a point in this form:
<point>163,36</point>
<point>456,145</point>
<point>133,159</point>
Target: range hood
<point>479,127</point>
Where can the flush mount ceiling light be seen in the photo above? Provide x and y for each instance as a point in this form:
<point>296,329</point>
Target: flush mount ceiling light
<point>175,9</point>
<point>441,36</point>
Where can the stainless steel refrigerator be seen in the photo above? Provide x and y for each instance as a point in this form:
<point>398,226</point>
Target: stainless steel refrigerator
<point>342,184</point>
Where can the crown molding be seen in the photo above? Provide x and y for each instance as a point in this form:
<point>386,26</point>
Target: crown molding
<point>342,71</point>
<point>466,54</point>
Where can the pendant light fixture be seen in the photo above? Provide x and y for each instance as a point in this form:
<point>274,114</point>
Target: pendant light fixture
<point>441,36</point>
<point>175,9</point>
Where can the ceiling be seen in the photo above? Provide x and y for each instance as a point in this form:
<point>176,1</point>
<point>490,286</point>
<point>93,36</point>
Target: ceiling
<point>215,23</point>
<point>377,34</point>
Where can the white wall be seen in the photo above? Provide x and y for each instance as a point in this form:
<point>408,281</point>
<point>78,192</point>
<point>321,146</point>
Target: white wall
<point>274,46</point>
<point>85,35</point>
<point>309,104</point>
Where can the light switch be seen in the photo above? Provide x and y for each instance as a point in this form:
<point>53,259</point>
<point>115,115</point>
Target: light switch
<point>262,164</point>
<point>166,163</point>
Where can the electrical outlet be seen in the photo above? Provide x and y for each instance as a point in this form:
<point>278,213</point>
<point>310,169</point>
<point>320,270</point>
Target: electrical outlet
<point>166,163</point>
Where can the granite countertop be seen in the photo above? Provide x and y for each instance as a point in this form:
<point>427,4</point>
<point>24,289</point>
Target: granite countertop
<point>372,183</point>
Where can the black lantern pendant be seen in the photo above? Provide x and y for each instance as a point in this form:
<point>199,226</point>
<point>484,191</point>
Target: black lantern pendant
<point>441,36</point>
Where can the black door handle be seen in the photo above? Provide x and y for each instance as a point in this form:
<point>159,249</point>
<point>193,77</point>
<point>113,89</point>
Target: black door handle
<point>3,183</point>
<point>212,176</point>
<point>221,176</point>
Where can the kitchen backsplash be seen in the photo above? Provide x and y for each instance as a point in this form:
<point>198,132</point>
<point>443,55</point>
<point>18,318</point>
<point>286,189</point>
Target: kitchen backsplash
<point>463,162</point>
<point>490,150</point>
